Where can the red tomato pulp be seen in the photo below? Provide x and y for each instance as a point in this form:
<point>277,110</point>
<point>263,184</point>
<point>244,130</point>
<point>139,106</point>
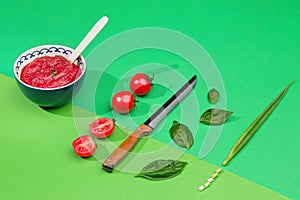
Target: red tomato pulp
<point>50,72</point>
<point>102,127</point>
<point>84,146</point>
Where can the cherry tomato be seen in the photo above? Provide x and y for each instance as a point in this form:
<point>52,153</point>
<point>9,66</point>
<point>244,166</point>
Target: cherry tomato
<point>123,102</point>
<point>140,84</point>
<point>102,127</point>
<point>84,146</point>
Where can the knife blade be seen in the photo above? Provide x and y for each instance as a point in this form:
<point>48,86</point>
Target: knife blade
<point>144,129</point>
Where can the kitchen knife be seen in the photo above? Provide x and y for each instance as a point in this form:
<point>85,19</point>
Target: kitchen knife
<point>150,124</point>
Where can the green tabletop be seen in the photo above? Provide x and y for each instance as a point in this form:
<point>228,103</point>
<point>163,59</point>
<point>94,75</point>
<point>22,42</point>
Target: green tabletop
<point>251,48</point>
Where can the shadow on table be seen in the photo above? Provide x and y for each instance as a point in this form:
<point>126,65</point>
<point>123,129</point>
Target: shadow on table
<point>68,111</point>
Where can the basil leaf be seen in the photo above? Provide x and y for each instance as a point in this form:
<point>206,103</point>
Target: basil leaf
<point>181,135</point>
<point>215,116</point>
<point>213,96</point>
<point>53,72</point>
<point>162,170</point>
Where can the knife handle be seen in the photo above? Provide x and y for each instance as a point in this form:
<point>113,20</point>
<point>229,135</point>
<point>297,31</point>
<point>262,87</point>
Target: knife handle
<point>114,158</point>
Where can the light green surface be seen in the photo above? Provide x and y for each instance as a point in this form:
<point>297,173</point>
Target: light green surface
<point>254,44</point>
<point>38,163</point>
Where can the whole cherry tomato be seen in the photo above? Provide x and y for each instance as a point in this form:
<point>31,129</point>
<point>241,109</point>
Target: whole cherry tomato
<point>140,84</point>
<point>102,127</point>
<point>84,146</point>
<point>123,102</point>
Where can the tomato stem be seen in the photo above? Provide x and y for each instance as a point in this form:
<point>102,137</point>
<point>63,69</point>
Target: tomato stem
<point>151,78</point>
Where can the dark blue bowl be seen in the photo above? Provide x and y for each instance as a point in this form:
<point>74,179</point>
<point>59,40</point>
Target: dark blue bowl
<point>48,97</point>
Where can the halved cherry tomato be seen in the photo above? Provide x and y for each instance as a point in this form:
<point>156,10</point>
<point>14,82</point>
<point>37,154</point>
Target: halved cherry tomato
<point>123,102</point>
<point>102,127</point>
<point>84,146</point>
<point>140,84</point>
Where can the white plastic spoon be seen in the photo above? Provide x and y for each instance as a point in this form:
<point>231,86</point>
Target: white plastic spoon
<point>88,38</point>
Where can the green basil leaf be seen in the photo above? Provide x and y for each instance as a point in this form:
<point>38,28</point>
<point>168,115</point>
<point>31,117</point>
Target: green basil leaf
<point>213,96</point>
<point>162,170</point>
<point>53,72</point>
<point>215,116</point>
<point>181,135</point>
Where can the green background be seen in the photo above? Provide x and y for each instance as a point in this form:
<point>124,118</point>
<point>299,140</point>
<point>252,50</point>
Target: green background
<point>256,48</point>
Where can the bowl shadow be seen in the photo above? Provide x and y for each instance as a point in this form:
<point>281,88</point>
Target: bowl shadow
<point>68,110</point>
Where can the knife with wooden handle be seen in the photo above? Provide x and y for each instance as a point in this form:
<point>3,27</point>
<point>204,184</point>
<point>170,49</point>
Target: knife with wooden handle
<point>146,128</point>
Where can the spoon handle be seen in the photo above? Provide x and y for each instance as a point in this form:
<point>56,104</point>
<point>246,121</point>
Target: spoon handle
<point>88,38</point>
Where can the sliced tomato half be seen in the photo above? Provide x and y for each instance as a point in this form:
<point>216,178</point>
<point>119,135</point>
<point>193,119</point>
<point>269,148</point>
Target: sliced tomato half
<point>84,146</point>
<point>102,127</point>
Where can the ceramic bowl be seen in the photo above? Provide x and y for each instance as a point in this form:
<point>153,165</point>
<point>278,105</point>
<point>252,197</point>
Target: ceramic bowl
<point>48,97</point>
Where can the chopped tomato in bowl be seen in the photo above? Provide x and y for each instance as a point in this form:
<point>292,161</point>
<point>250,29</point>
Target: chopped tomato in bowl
<point>46,77</point>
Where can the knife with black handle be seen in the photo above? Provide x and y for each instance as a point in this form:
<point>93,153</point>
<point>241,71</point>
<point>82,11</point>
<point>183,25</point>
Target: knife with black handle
<point>146,128</point>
